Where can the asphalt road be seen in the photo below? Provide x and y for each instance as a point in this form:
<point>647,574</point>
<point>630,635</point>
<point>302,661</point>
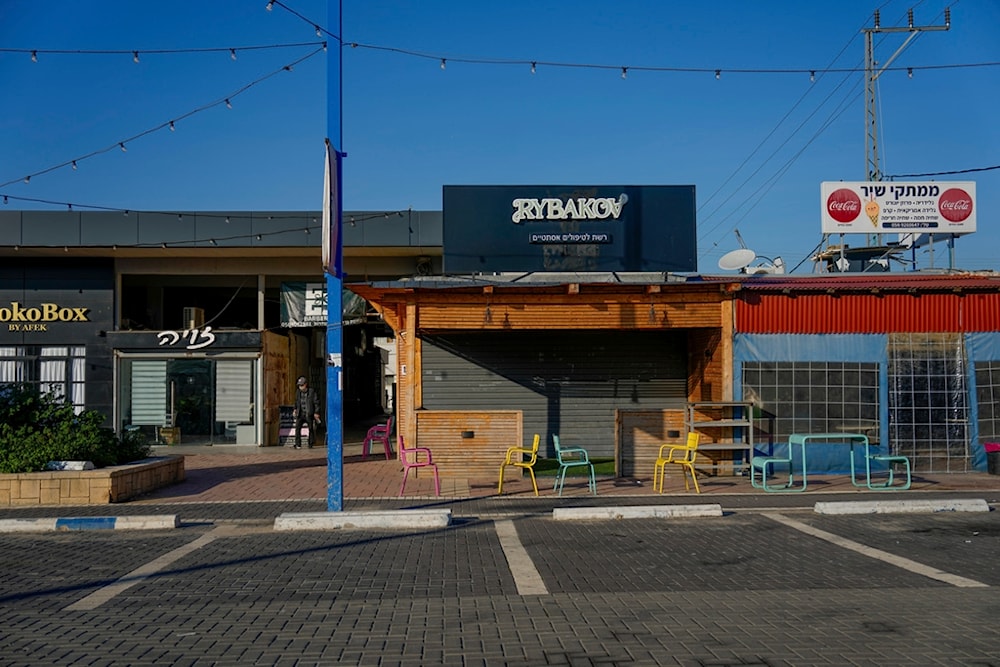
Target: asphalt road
<point>773,587</point>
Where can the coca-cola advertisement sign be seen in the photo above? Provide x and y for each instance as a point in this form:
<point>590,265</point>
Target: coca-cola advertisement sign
<point>893,207</point>
<point>843,205</point>
<point>955,205</point>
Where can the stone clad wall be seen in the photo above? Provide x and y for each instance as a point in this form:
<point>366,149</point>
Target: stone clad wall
<point>90,487</point>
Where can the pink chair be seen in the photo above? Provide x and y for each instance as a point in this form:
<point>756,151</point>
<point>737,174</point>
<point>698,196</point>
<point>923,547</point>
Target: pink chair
<point>378,433</point>
<point>411,458</point>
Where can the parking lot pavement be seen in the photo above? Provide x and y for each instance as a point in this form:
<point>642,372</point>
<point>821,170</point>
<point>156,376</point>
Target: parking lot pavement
<point>741,589</point>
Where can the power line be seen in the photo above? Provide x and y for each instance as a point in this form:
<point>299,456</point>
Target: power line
<point>945,173</point>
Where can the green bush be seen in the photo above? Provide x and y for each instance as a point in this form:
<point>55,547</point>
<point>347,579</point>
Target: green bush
<point>36,428</point>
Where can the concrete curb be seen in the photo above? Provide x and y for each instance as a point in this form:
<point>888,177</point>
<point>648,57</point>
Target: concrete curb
<point>901,506</point>
<point>636,512</point>
<point>394,519</point>
<point>150,522</point>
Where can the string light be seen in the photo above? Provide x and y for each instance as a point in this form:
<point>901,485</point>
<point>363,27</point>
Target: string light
<point>172,128</point>
<point>624,72</point>
<point>443,65</point>
<point>229,105</point>
<point>532,67</point>
<point>812,76</point>
<point>231,50</point>
<point>319,31</point>
<point>74,165</point>
<point>718,74</point>
<point>169,124</point>
<point>121,145</point>
<point>269,6</point>
<point>909,72</point>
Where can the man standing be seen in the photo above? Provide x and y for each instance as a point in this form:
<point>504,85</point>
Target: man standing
<point>305,411</point>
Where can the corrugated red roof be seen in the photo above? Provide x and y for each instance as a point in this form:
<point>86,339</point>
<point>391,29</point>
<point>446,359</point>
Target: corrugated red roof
<point>865,281</point>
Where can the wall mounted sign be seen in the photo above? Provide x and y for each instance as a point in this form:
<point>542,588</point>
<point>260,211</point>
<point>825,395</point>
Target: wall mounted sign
<point>20,318</point>
<point>569,228</point>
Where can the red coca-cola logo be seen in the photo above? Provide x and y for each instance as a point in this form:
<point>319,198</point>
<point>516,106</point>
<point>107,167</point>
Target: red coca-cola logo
<point>955,205</point>
<point>843,205</point>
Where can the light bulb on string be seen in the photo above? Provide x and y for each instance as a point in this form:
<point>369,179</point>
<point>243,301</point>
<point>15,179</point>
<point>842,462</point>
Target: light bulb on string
<point>135,56</point>
<point>172,128</point>
<point>121,145</point>
<point>532,68</point>
<point>443,64</point>
<point>232,54</point>
<point>34,56</point>
<point>269,6</point>
<point>624,72</point>
<point>812,76</point>
<point>319,31</point>
<point>229,105</point>
<point>27,179</point>
<point>909,72</point>
<point>73,164</point>
<point>718,74</point>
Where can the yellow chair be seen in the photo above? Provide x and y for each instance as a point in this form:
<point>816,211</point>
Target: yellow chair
<point>515,457</point>
<point>682,455</point>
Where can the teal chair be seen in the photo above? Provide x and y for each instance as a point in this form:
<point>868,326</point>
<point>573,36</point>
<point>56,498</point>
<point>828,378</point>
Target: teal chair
<point>570,457</point>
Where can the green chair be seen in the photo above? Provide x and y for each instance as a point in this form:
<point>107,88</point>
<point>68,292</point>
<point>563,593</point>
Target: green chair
<point>570,457</point>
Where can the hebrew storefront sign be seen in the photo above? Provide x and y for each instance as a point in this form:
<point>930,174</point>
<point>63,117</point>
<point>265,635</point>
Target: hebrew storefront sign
<point>569,228</point>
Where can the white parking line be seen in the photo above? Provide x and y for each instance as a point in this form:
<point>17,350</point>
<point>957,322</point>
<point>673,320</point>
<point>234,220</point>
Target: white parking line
<point>878,554</point>
<point>140,574</point>
<point>522,568</point>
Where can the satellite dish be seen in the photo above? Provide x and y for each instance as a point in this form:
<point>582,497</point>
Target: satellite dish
<point>737,260</point>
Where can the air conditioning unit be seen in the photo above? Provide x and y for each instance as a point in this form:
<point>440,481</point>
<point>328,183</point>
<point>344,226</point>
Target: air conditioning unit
<point>194,318</point>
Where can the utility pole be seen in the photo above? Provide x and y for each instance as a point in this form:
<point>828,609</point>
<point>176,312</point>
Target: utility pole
<point>871,76</point>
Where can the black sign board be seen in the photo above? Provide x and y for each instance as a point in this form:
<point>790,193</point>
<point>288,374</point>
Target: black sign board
<point>504,228</point>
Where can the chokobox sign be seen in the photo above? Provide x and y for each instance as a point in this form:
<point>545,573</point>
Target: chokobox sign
<point>569,228</point>
<point>888,207</point>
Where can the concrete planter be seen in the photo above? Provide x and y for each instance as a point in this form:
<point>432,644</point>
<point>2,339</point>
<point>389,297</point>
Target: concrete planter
<point>113,484</point>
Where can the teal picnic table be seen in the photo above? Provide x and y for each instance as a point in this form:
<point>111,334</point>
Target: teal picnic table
<point>798,443</point>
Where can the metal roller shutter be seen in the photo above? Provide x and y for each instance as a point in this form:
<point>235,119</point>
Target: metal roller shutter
<point>568,383</point>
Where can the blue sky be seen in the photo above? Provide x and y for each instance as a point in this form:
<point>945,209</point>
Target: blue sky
<point>756,145</point>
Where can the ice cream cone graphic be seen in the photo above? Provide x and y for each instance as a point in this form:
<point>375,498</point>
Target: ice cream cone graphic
<point>872,210</point>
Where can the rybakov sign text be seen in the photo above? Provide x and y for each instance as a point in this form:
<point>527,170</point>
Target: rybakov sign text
<point>581,208</point>
<point>19,318</point>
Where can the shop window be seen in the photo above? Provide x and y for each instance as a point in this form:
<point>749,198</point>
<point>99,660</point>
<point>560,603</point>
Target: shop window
<point>816,397</point>
<point>57,370</point>
<point>928,401</point>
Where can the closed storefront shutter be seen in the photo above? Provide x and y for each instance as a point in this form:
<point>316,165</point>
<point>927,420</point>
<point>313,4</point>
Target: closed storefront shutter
<point>567,383</point>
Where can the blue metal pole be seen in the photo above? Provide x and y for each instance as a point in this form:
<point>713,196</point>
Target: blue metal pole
<point>334,277</point>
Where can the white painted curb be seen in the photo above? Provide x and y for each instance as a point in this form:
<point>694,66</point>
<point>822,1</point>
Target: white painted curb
<point>635,512</point>
<point>901,506</point>
<point>396,519</point>
<point>150,522</point>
